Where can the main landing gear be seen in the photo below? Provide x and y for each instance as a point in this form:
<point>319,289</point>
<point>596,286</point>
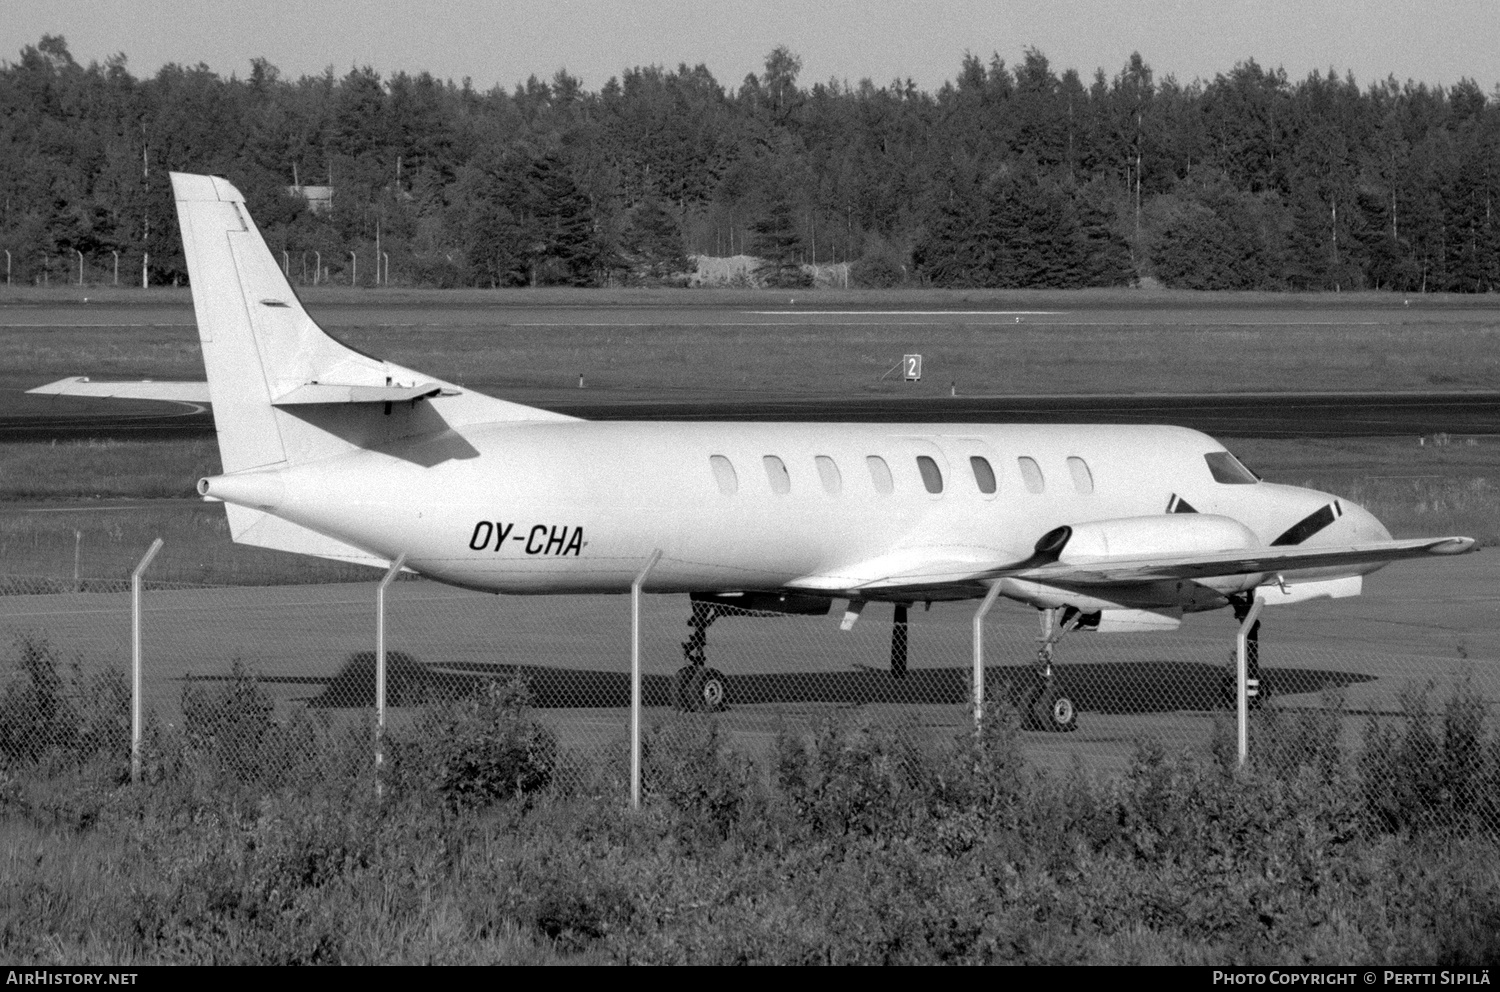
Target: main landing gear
<point>1045,704</point>
<point>899,642</point>
<point>696,686</point>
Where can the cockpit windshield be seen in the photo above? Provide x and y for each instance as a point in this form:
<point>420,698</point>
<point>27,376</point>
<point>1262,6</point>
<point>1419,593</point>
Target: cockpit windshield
<point>1229,470</point>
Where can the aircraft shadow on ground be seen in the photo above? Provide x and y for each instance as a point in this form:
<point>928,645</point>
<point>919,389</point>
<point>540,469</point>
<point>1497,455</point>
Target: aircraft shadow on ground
<point>1121,688</point>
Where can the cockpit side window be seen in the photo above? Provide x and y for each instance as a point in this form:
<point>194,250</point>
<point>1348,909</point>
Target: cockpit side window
<point>1228,469</point>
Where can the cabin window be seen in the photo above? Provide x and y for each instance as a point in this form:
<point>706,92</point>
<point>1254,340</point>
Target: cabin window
<point>729,483</point>
<point>1083,479</point>
<point>932,476</point>
<point>984,475</point>
<point>1229,470</point>
<point>828,472</point>
<point>1031,474</point>
<point>880,475</point>
<point>776,472</point>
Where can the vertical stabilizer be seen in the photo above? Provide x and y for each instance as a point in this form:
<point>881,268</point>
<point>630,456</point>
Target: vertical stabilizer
<point>215,229</point>
<point>284,392</point>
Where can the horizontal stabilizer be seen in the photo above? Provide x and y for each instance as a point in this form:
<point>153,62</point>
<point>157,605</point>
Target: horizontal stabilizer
<point>328,392</point>
<point>143,389</point>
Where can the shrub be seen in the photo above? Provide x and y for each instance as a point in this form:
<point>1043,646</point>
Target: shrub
<point>477,750</point>
<point>50,714</point>
<point>229,723</point>
<point>692,769</point>
<point>1425,772</point>
<point>881,267</point>
<point>852,779</point>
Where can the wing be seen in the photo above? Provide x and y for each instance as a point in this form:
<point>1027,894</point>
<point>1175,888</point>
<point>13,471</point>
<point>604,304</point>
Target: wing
<point>1203,565</point>
<point>939,573</point>
<point>145,389</point>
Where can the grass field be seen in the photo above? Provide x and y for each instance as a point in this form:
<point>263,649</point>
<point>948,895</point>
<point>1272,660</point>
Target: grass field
<point>711,343</point>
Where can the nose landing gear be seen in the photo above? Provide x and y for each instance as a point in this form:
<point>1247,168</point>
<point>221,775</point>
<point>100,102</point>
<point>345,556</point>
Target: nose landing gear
<point>1257,692</point>
<point>1048,706</point>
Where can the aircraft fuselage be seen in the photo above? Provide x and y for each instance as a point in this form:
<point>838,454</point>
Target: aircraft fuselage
<point>580,506</point>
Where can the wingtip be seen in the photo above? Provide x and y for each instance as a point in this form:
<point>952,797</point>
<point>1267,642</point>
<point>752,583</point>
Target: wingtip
<point>58,387</point>
<point>1453,546</point>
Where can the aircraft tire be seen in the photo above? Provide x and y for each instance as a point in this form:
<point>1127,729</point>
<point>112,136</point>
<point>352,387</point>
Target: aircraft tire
<point>1053,711</point>
<point>707,691</point>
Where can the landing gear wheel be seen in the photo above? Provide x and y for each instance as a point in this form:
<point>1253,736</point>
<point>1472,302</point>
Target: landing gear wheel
<point>704,691</point>
<point>1052,710</point>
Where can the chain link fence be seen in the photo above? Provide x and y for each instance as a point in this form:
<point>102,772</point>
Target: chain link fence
<point>1402,681</point>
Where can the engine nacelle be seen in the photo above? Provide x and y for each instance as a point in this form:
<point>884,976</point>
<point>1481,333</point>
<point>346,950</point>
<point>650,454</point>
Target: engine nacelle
<point>1137,537</point>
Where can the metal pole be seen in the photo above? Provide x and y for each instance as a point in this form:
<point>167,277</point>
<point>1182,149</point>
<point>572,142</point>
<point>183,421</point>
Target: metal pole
<point>135,659</point>
<point>145,262</point>
<point>635,679</point>
<point>984,607</point>
<point>390,576</point>
<point>317,266</point>
<point>1242,678</point>
<point>387,257</point>
<point>354,269</point>
<point>117,267</point>
<point>80,265</point>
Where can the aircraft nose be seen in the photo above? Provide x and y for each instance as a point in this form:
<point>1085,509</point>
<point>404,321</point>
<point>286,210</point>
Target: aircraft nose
<point>1362,525</point>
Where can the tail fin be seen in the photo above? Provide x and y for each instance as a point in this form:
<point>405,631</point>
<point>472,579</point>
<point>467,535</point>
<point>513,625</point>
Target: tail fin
<point>283,391</point>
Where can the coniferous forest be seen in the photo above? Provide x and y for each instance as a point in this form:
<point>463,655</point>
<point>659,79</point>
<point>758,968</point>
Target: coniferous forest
<point>1007,176</point>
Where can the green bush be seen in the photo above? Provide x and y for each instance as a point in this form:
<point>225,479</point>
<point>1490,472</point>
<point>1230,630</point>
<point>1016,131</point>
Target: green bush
<point>229,721</point>
<point>1426,772</point>
<point>52,713</point>
<point>693,770</point>
<point>477,750</point>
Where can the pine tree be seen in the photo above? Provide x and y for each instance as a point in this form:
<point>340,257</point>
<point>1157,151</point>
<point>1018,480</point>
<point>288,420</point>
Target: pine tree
<point>652,243</point>
<point>776,240</point>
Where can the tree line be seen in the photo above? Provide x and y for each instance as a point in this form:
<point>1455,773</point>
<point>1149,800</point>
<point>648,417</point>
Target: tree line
<point>1006,176</point>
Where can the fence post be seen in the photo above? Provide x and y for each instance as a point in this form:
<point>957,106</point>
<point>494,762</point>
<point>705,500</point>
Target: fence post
<point>1242,679</point>
<point>390,576</point>
<point>135,659</point>
<point>635,679</point>
<point>984,607</point>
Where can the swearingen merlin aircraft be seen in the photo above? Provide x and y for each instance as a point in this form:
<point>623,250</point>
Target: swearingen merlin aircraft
<point>330,452</point>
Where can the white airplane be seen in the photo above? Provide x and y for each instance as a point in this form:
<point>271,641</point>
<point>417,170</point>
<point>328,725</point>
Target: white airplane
<point>330,452</point>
